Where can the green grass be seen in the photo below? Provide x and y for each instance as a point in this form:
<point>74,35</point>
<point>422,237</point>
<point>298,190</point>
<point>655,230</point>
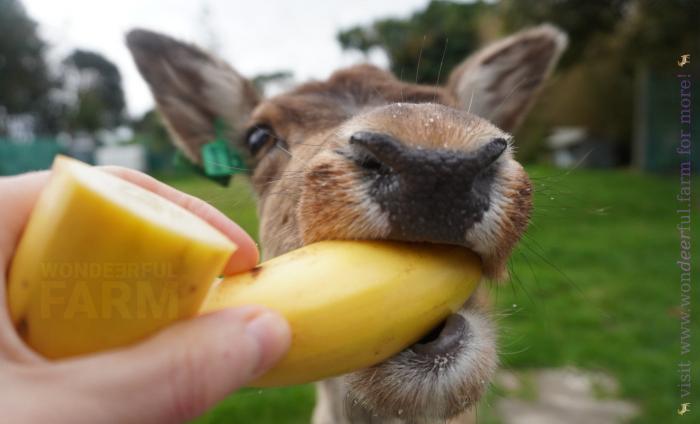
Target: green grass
<point>236,201</point>
<point>595,285</point>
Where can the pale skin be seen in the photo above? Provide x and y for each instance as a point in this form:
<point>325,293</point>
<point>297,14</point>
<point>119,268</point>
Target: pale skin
<point>172,377</point>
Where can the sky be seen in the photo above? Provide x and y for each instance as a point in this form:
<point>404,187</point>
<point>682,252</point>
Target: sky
<point>255,36</point>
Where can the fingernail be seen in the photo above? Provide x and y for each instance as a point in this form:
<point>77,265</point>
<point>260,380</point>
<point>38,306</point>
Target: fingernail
<point>272,333</point>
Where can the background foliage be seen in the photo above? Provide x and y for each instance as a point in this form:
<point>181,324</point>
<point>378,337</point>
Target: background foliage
<point>610,43</point>
<point>81,93</point>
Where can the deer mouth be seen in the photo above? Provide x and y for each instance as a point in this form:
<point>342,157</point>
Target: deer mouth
<point>435,379</point>
<point>445,339</point>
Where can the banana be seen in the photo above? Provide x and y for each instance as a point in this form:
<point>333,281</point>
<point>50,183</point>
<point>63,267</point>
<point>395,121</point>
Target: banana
<point>352,304</point>
<point>103,263</point>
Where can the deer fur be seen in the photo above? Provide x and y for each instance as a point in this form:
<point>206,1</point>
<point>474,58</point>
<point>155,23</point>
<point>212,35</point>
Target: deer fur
<point>308,190</point>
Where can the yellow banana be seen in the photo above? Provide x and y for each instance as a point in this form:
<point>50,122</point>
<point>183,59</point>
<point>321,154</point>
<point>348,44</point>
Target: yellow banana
<point>103,263</point>
<point>352,304</point>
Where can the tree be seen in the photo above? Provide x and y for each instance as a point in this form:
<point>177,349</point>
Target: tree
<point>609,44</point>
<point>582,20</point>
<point>440,36</point>
<point>25,83</point>
<point>263,82</point>
<point>150,131</point>
<point>94,88</point>
<point>656,35</point>
<point>638,30</point>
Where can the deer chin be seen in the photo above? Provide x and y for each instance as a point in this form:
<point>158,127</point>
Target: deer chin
<point>435,379</point>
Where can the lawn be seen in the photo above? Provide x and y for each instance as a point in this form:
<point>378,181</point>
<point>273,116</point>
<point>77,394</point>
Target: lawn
<point>594,285</point>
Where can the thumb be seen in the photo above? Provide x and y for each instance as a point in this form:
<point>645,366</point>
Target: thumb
<point>184,370</point>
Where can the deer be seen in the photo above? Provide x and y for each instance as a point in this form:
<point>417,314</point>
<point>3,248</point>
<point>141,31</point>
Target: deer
<point>364,155</point>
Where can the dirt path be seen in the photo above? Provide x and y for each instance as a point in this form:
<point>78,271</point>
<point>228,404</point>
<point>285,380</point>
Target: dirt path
<point>555,396</point>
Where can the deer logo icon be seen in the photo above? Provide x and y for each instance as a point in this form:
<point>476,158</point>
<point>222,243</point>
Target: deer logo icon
<point>685,407</point>
<point>685,59</point>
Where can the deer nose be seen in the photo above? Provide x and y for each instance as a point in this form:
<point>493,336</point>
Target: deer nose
<point>432,195</point>
<point>388,151</point>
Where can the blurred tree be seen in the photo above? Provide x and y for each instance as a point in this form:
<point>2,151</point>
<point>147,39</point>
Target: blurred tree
<point>639,30</point>
<point>656,33</point>
<point>264,81</point>
<point>443,29</point>
<point>26,82</point>
<point>95,87</point>
<point>582,20</point>
<point>610,44</point>
<point>150,132</point>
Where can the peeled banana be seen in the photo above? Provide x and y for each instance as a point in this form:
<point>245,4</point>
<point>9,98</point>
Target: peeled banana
<point>103,263</point>
<point>352,304</point>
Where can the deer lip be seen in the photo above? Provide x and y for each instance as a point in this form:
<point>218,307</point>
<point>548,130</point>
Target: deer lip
<point>445,338</point>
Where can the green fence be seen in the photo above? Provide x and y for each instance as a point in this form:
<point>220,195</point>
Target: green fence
<point>658,122</point>
<point>16,158</point>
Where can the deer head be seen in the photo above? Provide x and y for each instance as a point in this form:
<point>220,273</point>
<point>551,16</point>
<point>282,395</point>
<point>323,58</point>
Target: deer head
<point>366,156</point>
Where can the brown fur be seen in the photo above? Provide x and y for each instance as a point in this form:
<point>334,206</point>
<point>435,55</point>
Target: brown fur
<point>309,190</point>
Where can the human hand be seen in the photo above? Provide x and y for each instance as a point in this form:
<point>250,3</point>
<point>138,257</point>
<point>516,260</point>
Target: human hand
<point>171,377</point>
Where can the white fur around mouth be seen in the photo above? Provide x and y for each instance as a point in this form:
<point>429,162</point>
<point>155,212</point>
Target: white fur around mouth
<point>431,387</point>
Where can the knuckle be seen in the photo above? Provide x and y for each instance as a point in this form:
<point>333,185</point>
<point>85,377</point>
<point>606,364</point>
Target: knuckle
<point>189,395</point>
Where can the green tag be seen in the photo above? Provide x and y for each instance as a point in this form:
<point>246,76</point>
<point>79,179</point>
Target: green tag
<point>219,160</point>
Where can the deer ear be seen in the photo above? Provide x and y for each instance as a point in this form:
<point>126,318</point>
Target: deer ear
<point>192,89</point>
<point>500,81</point>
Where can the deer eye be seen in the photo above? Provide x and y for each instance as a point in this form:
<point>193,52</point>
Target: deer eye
<point>258,137</point>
